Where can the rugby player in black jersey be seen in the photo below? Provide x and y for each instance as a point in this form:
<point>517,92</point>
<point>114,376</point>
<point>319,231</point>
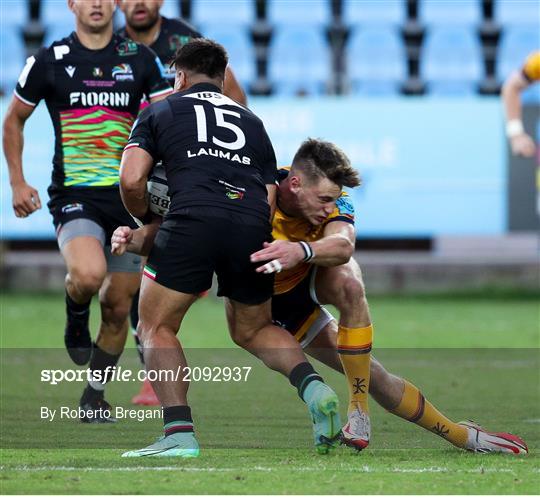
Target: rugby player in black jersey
<point>144,24</point>
<point>92,82</point>
<point>222,174</point>
<point>313,213</point>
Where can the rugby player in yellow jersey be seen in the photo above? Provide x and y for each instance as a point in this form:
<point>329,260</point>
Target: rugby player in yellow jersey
<point>312,210</point>
<point>521,143</point>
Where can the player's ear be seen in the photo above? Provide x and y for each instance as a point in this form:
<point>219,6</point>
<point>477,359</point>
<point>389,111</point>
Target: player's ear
<point>70,4</point>
<point>295,183</point>
<point>180,80</point>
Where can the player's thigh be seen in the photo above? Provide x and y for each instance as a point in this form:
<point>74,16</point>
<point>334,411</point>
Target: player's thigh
<point>85,259</point>
<point>183,255</point>
<point>335,282</point>
<point>236,275</point>
<point>244,320</point>
<point>161,307</point>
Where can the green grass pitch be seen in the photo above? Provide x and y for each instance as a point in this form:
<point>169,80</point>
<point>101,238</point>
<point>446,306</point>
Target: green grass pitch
<point>473,356</point>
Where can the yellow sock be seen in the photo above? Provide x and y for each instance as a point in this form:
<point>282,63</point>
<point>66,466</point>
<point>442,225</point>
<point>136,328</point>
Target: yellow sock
<point>415,408</point>
<point>354,347</point>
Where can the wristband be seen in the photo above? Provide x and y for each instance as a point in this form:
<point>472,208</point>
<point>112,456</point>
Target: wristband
<point>308,251</point>
<point>514,128</point>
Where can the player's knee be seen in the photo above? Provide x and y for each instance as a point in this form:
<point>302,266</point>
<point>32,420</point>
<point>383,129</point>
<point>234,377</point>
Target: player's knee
<point>115,312</point>
<point>350,293</point>
<point>86,280</point>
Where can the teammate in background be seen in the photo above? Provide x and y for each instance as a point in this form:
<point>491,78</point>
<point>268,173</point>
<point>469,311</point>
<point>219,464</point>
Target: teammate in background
<point>165,36</point>
<point>92,82</point>
<point>301,217</point>
<point>222,172</point>
<point>520,142</point>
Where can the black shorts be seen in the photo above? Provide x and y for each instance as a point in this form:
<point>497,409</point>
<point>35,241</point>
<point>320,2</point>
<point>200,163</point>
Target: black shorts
<point>102,205</point>
<point>298,311</point>
<point>191,247</point>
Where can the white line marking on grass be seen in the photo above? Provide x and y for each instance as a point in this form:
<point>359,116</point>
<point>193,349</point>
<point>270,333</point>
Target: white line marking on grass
<point>532,421</point>
<point>168,468</point>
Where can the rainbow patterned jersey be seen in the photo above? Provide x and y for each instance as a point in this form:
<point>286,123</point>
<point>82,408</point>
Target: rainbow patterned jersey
<point>295,229</point>
<point>531,68</point>
<point>93,98</point>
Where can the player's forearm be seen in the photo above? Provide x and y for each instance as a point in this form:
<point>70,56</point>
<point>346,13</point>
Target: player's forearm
<point>333,250</point>
<point>135,200</point>
<point>134,192</point>
<point>511,96</point>
<point>13,141</point>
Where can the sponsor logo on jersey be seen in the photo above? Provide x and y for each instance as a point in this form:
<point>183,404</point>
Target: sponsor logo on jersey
<point>87,99</point>
<point>176,41</point>
<point>233,192</point>
<point>70,70</point>
<point>97,72</point>
<point>215,98</point>
<point>122,72</point>
<point>127,47</point>
<point>70,208</point>
<point>208,151</point>
<point>60,51</point>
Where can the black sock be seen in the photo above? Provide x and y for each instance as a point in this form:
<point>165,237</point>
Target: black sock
<point>301,375</point>
<point>134,312</point>
<point>76,310</point>
<point>99,362</point>
<point>177,419</point>
<point>91,395</point>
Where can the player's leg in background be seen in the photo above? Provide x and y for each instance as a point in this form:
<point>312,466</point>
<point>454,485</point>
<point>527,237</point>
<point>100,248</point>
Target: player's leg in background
<point>115,297</point>
<point>146,395</point>
<point>405,400</point>
<point>342,286</point>
<point>252,329</point>
<point>161,311</point>
<point>86,270</point>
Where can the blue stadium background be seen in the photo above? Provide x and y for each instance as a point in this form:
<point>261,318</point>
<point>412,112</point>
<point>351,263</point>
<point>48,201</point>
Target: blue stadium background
<point>409,89</point>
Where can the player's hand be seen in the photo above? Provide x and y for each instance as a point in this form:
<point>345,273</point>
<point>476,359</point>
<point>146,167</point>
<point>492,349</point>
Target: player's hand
<point>280,255</point>
<point>523,145</point>
<point>120,240</point>
<point>25,200</point>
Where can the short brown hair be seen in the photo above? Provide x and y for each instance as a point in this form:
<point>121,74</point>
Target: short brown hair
<point>320,159</point>
<point>202,56</point>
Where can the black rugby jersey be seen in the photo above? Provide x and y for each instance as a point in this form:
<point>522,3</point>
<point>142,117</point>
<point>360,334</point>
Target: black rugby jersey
<point>215,152</point>
<point>173,34</point>
<point>93,99</point>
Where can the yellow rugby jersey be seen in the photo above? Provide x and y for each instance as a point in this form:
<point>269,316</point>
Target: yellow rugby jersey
<point>531,68</point>
<point>296,229</point>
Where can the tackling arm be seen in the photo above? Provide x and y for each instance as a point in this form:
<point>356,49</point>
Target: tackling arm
<point>25,198</point>
<point>336,246</point>
<point>334,249</point>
